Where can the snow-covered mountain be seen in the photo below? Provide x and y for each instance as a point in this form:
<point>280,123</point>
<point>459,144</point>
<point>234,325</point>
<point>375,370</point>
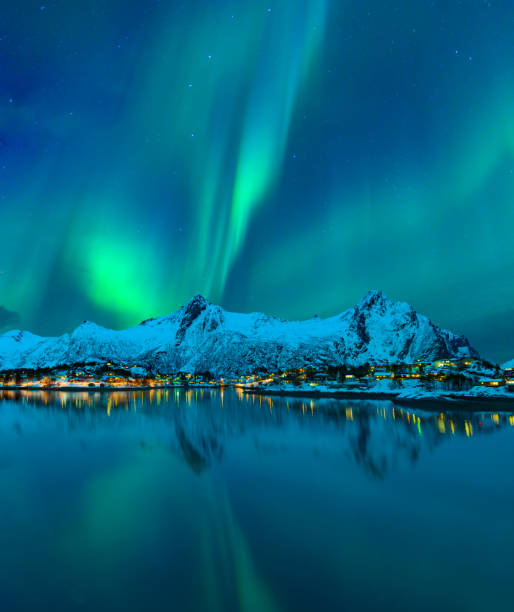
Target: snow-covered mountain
<point>508,365</point>
<point>201,337</point>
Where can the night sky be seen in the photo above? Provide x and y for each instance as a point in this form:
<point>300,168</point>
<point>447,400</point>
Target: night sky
<point>280,156</point>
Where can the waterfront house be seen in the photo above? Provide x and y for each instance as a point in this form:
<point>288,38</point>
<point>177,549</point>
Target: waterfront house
<point>381,374</point>
<point>491,382</point>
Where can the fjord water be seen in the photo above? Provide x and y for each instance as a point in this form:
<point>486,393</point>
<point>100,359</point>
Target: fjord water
<point>204,500</point>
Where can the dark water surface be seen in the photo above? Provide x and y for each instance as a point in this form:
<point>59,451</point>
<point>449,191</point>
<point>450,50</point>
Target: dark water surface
<point>215,501</point>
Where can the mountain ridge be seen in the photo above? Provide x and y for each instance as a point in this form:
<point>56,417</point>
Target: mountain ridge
<point>203,337</point>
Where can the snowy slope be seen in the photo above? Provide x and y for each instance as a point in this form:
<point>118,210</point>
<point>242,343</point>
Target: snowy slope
<point>508,364</point>
<point>201,337</point>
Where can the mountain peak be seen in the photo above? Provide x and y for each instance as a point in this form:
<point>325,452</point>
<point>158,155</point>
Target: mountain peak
<point>198,300</point>
<point>86,328</point>
<point>375,297</point>
<point>195,306</point>
<point>88,324</point>
<point>189,313</point>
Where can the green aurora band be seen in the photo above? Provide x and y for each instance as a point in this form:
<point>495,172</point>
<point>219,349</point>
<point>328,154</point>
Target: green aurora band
<point>276,156</point>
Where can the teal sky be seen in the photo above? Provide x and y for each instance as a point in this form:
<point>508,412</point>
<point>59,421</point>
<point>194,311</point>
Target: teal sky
<point>280,156</point>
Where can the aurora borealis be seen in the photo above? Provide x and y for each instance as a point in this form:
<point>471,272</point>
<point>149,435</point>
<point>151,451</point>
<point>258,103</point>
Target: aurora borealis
<point>280,156</point>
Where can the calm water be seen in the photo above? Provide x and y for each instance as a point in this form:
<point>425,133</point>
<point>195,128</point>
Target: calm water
<point>209,501</point>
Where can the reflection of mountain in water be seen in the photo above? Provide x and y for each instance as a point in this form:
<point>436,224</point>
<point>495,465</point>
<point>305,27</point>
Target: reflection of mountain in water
<point>200,449</point>
<point>201,425</point>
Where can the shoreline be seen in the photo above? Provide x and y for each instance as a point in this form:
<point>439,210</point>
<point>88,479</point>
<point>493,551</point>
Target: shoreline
<point>447,400</point>
<point>450,400</point>
<point>109,389</point>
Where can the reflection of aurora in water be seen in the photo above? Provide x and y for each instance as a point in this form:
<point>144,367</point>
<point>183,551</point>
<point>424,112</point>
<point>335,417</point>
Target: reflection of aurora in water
<point>204,500</point>
<point>377,435</point>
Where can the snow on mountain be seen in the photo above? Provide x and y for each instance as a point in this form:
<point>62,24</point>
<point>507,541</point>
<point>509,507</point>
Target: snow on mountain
<point>15,343</point>
<point>201,337</point>
<point>508,364</point>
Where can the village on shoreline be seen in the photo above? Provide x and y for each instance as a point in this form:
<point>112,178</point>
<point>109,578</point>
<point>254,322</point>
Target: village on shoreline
<point>444,379</point>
